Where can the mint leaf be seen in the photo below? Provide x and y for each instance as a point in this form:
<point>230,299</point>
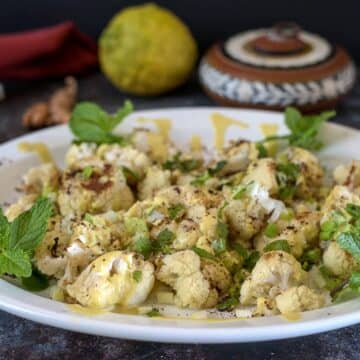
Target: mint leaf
<point>303,128</point>
<point>29,228</point>
<point>282,245</point>
<point>15,262</point>
<point>90,123</point>
<point>350,242</point>
<point>4,230</point>
<point>36,282</point>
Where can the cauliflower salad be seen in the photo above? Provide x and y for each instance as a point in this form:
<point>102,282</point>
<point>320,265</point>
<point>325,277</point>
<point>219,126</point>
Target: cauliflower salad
<point>256,229</point>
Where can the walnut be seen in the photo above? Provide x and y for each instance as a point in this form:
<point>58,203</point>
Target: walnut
<point>57,110</point>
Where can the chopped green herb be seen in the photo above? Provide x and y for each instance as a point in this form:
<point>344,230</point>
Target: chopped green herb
<point>218,167</point>
<point>87,172</point>
<point>240,250</point>
<point>203,253</point>
<point>184,166</point>
<point>219,245</point>
<point>143,245</point>
<point>201,179</point>
<point>36,282</point>
<point>303,129</point>
<point>350,242</point>
<point>228,304</point>
<point>354,281</point>
<point>286,176</point>
<point>251,260</point>
<point>271,230</point>
<point>176,211</point>
<point>163,240</point>
<point>88,218</point>
<point>153,312</point>
<point>20,238</point>
<point>310,257</point>
<point>137,275</point>
<point>263,153</point>
<point>131,176</point>
<point>208,174</point>
<point>282,245</point>
<point>331,281</point>
<point>241,190</point>
<point>353,210</point>
<point>90,123</point>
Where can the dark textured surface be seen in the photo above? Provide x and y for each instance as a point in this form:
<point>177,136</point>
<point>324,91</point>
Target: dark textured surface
<point>23,339</point>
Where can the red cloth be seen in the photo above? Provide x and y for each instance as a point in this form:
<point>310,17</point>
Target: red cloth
<point>54,51</point>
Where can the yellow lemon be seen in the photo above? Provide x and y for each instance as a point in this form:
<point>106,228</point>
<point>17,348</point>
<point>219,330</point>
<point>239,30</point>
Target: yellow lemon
<point>147,50</point>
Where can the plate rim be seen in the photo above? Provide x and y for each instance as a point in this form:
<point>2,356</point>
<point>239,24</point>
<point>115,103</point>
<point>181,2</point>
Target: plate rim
<point>168,334</point>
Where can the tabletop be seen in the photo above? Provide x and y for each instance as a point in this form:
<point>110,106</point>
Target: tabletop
<point>20,339</point>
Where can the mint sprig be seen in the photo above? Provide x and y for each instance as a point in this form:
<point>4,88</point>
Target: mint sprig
<point>21,237</point>
<point>303,129</point>
<point>90,123</point>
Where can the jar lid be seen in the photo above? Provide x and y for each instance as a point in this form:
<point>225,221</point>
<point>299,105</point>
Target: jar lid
<point>277,67</point>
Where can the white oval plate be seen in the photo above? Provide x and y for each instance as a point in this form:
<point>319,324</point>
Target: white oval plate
<point>341,143</point>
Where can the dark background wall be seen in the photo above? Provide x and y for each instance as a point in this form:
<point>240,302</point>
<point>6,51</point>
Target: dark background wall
<point>209,20</point>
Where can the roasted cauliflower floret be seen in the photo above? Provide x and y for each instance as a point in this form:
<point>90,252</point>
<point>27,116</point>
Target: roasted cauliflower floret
<point>50,255</point>
<point>301,233</point>
<point>182,271</point>
<point>217,274</point>
<point>94,189</point>
<point>187,234</point>
<point>238,156</point>
<point>79,152</point>
<point>311,174</point>
<point>298,299</point>
<point>338,198</point>
<point>128,157</point>
<point>155,180</point>
<point>340,262</point>
<point>24,203</point>
<point>115,278</point>
<point>348,175</point>
<point>263,172</point>
<point>245,217</point>
<point>275,272</point>
<point>42,179</point>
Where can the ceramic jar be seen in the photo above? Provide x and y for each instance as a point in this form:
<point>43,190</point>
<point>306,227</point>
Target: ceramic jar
<point>275,68</point>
